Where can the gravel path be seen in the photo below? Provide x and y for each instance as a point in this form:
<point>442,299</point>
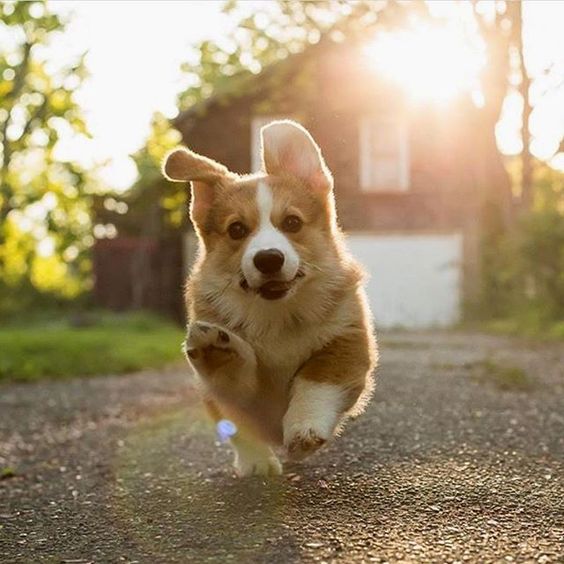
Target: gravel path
<point>460,457</point>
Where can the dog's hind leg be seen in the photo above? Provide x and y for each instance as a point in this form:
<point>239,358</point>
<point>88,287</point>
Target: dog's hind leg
<point>252,457</point>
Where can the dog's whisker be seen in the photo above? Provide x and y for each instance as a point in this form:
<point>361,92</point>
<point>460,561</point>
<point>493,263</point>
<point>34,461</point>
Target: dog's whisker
<point>312,266</point>
<point>215,295</point>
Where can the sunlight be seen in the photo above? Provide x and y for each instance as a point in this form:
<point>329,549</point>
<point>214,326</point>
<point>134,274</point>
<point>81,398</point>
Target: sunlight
<point>430,64</point>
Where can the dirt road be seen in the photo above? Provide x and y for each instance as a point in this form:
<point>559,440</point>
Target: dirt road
<point>460,457</point>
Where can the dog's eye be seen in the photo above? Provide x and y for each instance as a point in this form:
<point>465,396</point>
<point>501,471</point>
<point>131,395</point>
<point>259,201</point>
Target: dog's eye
<point>237,230</point>
<point>292,224</point>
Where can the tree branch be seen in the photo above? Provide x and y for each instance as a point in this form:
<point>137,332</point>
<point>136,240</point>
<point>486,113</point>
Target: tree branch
<point>21,72</point>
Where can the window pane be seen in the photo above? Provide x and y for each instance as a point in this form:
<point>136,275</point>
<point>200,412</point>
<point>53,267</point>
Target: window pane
<point>385,137</point>
<point>385,172</point>
<point>384,154</point>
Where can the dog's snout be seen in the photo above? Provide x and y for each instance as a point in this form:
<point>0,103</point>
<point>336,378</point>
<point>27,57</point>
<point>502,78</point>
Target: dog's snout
<point>269,261</point>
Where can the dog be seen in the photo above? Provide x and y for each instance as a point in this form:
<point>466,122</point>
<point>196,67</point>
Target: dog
<point>280,335</point>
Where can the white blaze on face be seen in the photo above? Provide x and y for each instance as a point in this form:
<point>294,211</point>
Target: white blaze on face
<point>268,237</point>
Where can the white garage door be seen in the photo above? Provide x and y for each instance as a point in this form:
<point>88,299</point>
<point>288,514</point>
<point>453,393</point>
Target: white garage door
<point>414,280</point>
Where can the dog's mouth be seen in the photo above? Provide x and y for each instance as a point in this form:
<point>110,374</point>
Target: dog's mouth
<point>272,289</point>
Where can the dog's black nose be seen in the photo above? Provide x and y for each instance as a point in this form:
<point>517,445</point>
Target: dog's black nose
<point>269,261</point>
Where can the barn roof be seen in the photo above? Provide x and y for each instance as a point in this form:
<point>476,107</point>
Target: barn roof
<point>352,28</point>
<point>247,83</point>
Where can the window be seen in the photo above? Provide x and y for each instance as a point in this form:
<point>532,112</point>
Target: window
<point>257,124</point>
<point>384,154</point>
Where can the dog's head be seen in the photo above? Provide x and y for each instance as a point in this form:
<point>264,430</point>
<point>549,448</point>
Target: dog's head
<point>266,234</point>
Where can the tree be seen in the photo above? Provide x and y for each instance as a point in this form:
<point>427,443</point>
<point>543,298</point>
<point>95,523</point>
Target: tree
<point>44,199</point>
<point>527,165</point>
<point>272,31</point>
<point>152,207</point>
<point>263,36</point>
<point>497,32</point>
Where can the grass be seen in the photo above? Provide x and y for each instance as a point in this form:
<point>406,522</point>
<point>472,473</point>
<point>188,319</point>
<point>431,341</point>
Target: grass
<point>98,344</point>
<point>7,472</point>
<point>503,377</point>
<point>531,322</point>
<point>520,327</point>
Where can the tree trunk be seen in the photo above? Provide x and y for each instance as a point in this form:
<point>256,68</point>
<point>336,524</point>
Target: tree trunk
<point>494,180</point>
<point>516,10</point>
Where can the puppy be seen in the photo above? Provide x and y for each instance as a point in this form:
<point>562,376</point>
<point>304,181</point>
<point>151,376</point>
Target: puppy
<point>279,336</point>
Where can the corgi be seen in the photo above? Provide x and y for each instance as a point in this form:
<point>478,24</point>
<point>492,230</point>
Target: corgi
<point>280,336</point>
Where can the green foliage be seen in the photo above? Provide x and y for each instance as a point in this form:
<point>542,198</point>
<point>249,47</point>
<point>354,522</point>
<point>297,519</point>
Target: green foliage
<point>264,34</point>
<point>167,199</point>
<point>152,207</point>
<point>44,199</point>
<point>542,246</point>
<point>270,32</point>
<point>524,268</point>
<point>526,324</point>
<point>503,377</point>
<point>107,344</point>
<point>7,472</point>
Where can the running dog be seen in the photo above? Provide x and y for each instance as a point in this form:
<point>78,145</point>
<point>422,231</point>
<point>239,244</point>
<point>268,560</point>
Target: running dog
<point>280,336</point>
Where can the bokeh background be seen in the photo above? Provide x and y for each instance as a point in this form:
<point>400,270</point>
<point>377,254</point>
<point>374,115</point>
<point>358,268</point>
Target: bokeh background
<point>442,121</point>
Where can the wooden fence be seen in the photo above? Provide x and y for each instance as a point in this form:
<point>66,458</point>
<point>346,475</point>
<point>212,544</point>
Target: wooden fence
<point>132,273</point>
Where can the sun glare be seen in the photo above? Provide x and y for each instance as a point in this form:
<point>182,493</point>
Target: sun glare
<point>430,64</point>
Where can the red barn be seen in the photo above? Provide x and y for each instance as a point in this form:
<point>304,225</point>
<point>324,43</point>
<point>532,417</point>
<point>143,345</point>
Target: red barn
<point>408,178</point>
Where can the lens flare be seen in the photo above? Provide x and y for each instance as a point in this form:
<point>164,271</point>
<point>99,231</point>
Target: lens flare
<point>429,63</point>
<point>225,430</point>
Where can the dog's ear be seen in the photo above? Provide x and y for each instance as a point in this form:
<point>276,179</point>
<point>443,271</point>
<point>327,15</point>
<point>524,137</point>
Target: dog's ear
<point>288,148</point>
<point>183,165</point>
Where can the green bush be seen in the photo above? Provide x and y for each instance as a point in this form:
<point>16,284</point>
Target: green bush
<point>542,250</point>
<point>523,268</point>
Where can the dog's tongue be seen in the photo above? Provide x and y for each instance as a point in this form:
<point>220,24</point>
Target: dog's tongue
<point>273,290</point>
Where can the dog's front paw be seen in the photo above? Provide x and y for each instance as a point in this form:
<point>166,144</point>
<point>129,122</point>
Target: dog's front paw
<point>224,361</point>
<point>204,335</point>
<point>303,443</point>
<point>208,344</point>
<point>250,462</point>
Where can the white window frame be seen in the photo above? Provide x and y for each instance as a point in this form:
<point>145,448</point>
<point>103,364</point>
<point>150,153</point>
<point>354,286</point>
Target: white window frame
<point>257,123</point>
<point>365,158</point>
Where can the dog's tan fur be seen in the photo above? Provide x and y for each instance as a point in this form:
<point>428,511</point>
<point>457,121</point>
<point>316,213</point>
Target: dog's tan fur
<point>287,371</point>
